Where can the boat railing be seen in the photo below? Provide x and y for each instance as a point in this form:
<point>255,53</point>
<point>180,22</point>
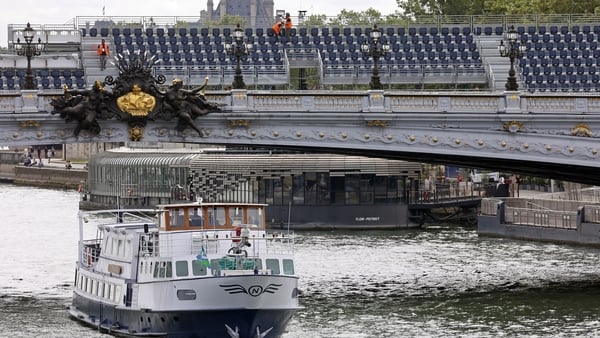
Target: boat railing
<point>218,242</point>
<point>541,217</point>
<point>270,242</point>
<point>91,252</point>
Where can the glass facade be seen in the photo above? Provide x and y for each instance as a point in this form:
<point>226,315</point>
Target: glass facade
<point>148,179</point>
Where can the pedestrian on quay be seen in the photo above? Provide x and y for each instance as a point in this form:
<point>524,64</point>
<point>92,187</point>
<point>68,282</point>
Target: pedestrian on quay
<point>103,52</point>
<point>502,188</point>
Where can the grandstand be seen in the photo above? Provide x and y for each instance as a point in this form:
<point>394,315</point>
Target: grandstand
<point>562,53</point>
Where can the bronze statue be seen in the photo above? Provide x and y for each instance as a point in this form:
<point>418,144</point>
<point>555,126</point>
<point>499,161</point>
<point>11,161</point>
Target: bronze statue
<point>136,98</point>
<point>187,105</point>
<point>83,106</point>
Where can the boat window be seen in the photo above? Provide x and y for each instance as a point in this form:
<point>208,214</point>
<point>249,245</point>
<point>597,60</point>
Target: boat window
<point>89,284</point>
<point>236,215</point>
<point>117,293</point>
<point>216,216</point>
<point>111,291</point>
<point>106,292</point>
<point>181,268</point>
<point>288,266</point>
<point>163,270</point>
<point>198,268</point>
<point>176,219</point>
<point>255,216</point>
<point>273,265</point>
<point>121,251</point>
<point>169,270</point>
<point>196,219</point>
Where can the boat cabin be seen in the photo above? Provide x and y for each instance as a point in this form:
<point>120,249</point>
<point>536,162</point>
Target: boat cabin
<point>195,216</point>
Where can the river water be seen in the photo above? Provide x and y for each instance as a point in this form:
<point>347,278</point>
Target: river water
<point>442,281</point>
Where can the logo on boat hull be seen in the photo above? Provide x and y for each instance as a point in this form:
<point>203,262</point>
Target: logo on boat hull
<point>254,290</point>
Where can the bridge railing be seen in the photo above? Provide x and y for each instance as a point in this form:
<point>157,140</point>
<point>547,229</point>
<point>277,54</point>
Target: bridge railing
<point>472,102</point>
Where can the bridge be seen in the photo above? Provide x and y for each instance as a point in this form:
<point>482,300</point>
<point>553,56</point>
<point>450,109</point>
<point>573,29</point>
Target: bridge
<point>549,128</point>
<point>538,134</point>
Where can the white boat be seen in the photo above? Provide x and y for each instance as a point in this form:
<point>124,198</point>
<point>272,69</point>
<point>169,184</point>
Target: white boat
<point>185,270</point>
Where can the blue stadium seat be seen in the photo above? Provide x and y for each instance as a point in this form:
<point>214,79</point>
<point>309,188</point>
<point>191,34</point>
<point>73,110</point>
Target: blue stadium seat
<point>93,31</point>
<point>204,32</point>
<point>104,32</point>
<point>116,31</point>
<point>149,32</point>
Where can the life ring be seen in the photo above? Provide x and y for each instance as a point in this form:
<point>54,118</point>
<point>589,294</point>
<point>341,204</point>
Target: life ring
<point>88,253</point>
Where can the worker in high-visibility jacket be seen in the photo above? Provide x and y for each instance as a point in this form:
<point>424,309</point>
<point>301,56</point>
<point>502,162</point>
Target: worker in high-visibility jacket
<point>288,25</point>
<point>103,52</point>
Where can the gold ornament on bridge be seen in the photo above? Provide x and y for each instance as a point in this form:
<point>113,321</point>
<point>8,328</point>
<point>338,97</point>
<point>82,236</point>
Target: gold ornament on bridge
<point>377,123</point>
<point>136,133</point>
<point>581,130</point>
<point>30,124</point>
<point>513,126</point>
<point>136,102</point>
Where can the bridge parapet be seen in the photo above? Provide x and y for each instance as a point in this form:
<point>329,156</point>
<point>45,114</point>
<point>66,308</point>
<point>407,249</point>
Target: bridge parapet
<point>38,101</point>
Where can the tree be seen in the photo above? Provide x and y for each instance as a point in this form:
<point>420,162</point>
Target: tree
<point>415,8</point>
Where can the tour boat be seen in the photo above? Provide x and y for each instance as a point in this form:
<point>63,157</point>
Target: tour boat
<point>185,270</point>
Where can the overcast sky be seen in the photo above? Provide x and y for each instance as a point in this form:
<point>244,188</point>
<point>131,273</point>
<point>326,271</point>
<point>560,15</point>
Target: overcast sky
<point>63,11</point>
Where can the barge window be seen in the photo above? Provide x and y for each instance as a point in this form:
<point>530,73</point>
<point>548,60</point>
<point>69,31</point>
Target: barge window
<point>198,269</point>
<point>181,268</point>
<point>288,266</point>
<point>298,189</point>
<point>273,265</point>
<point>352,189</point>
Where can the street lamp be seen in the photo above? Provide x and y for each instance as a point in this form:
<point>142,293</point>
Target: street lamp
<point>28,50</point>
<point>512,51</point>
<point>238,50</point>
<point>376,49</point>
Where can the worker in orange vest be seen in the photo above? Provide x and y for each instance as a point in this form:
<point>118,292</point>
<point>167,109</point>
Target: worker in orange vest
<point>277,28</point>
<point>103,53</point>
<point>288,25</point>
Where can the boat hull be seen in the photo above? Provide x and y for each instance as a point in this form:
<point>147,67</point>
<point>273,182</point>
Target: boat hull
<point>195,323</point>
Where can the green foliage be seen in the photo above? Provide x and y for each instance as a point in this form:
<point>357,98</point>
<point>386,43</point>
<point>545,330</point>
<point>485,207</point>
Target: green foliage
<point>414,8</point>
<point>228,20</point>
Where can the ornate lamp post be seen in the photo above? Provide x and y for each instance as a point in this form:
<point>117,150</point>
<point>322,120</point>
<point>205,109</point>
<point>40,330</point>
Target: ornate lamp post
<point>512,51</point>
<point>29,50</point>
<point>238,48</point>
<point>376,49</point>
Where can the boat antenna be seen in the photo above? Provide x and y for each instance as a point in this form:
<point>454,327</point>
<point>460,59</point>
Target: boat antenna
<point>289,215</point>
